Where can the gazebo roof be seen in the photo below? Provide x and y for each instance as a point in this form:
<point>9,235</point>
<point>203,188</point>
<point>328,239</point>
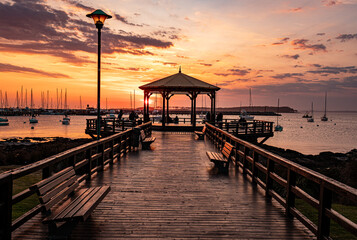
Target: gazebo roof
<point>179,82</point>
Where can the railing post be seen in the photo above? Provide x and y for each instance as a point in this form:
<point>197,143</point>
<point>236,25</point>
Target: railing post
<point>46,172</point>
<point>111,155</point>
<point>323,228</point>
<point>290,196</point>
<point>89,164</point>
<point>268,180</point>
<point>246,152</point>
<point>101,158</point>
<point>236,155</point>
<point>254,171</point>
<point>72,160</point>
<point>5,206</point>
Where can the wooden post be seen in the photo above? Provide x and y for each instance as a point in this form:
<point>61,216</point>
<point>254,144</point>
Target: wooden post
<point>5,206</point>
<point>145,100</point>
<point>254,169</point>
<point>46,172</point>
<point>194,95</point>
<point>236,154</point>
<point>290,196</point>
<point>111,154</point>
<point>268,180</point>
<point>323,227</point>
<point>163,108</point>
<point>246,153</point>
<point>101,158</point>
<point>89,164</point>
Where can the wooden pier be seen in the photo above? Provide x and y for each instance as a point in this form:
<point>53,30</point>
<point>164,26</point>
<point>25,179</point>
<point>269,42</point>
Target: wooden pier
<point>173,191</point>
<point>249,130</point>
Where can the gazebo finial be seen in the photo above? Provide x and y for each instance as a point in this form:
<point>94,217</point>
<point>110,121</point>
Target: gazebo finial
<point>180,69</point>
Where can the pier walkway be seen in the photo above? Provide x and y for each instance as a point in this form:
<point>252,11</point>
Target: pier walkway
<point>171,191</point>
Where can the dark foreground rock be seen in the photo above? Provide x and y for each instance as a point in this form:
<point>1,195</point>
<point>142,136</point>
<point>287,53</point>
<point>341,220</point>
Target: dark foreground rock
<point>339,166</point>
<point>22,151</point>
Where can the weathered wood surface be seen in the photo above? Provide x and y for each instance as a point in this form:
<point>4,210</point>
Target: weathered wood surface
<point>172,192</point>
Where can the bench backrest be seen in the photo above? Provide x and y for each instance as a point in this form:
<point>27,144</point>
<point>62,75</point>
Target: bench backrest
<point>142,133</point>
<point>227,150</point>
<point>53,189</point>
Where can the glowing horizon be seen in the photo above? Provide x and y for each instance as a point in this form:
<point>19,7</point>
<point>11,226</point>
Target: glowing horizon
<point>292,50</point>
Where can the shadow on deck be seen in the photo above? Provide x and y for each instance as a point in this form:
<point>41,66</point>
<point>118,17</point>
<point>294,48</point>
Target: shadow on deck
<point>172,192</point>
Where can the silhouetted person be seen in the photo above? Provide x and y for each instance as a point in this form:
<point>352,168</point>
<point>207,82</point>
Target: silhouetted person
<point>219,117</point>
<point>176,120</point>
<point>132,116</point>
<point>120,115</point>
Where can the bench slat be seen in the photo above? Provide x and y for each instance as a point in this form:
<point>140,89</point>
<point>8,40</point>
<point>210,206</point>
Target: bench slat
<point>65,206</point>
<point>49,179</point>
<point>60,178</point>
<point>92,203</point>
<point>61,195</point>
<point>45,198</point>
<point>77,204</point>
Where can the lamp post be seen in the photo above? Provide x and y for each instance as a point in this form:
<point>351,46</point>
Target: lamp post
<point>99,17</point>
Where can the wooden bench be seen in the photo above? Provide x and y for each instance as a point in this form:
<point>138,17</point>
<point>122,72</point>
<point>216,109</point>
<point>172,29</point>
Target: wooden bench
<point>199,134</point>
<point>221,160</point>
<point>146,141</point>
<point>63,202</point>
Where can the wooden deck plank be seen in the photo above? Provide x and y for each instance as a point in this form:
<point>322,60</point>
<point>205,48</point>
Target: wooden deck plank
<point>172,192</point>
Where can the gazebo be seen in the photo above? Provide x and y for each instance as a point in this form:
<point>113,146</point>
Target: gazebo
<point>179,83</point>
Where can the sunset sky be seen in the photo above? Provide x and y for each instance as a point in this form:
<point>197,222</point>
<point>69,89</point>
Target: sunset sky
<point>292,50</point>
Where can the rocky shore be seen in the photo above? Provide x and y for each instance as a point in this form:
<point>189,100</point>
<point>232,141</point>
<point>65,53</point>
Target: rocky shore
<point>22,151</point>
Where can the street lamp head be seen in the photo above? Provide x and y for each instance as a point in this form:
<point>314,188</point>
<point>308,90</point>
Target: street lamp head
<point>99,17</point>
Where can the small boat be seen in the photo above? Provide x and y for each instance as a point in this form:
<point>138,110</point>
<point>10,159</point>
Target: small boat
<point>243,114</point>
<point>65,121</point>
<point>324,118</point>
<point>33,119</point>
<point>66,118</point>
<point>4,119</point>
<point>312,113</point>
<point>111,116</point>
<point>278,128</point>
<point>306,115</point>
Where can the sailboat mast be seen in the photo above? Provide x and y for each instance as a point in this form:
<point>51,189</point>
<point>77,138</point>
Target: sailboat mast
<point>325,102</point>
<point>277,116</point>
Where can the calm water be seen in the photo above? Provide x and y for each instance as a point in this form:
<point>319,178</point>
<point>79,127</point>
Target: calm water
<point>339,134</point>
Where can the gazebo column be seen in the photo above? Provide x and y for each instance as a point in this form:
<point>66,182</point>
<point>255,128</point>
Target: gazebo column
<point>194,96</point>
<point>148,95</point>
<point>145,109</point>
<point>212,96</point>
<point>163,108</point>
<point>191,98</point>
<point>168,96</point>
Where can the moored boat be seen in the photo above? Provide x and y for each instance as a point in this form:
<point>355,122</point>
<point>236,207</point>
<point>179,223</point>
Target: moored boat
<point>324,117</point>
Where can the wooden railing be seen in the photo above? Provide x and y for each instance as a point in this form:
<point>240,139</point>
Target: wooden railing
<point>87,159</point>
<point>110,126</point>
<point>281,178</point>
<point>254,127</point>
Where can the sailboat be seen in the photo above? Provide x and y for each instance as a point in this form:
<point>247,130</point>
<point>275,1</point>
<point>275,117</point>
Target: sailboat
<point>324,118</point>
<point>33,118</point>
<point>312,113</point>
<point>278,128</point>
